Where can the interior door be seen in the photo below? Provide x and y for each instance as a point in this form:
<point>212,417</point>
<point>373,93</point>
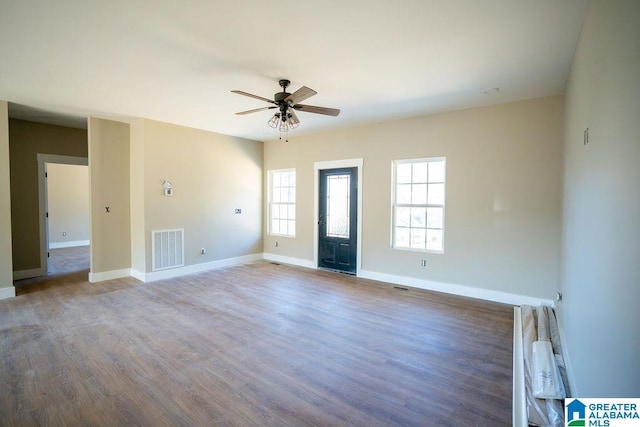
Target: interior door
<point>337,219</point>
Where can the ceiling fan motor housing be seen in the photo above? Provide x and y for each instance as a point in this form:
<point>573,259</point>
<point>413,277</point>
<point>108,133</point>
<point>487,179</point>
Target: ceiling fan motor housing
<point>280,97</point>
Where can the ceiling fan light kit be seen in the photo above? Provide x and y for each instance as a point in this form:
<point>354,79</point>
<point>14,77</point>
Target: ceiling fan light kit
<point>286,103</point>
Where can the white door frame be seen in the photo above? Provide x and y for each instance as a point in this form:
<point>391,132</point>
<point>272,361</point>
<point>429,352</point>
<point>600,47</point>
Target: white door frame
<point>336,164</point>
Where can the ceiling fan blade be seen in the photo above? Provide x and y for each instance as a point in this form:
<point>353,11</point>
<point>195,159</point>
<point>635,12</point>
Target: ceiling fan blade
<point>255,110</point>
<point>250,95</point>
<point>318,110</point>
<point>294,120</point>
<point>300,95</point>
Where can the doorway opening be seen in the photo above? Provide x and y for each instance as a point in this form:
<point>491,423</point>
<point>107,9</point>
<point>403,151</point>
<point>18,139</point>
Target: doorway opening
<point>64,214</point>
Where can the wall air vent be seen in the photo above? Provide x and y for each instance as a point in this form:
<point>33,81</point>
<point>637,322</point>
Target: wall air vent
<point>167,249</point>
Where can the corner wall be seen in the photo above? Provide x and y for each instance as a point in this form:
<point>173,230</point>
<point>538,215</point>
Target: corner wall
<point>601,238</point>
<point>109,187</point>
<point>6,269</point>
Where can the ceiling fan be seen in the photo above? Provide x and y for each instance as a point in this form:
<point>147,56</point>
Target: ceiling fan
<point>287,104</point>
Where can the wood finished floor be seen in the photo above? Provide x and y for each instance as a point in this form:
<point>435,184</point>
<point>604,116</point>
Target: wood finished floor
<point>257,344</point>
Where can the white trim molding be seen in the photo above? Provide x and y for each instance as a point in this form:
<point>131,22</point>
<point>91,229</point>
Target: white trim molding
<point>196,268</point>
<point>109,275</point>
<point>7,292</point>
<point>289,260</point>
<point>461,290</point>
<point>72,244</point>
<point>28,274</point>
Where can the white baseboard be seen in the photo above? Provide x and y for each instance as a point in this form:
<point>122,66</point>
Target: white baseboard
<point>196,268</point>
<point>109,275</point>
<point>28,274</point>
<point>7,292</point>
<point>289,260</point>
<point>449,288</point>
<point>73,244</point>
<point>137,274</point>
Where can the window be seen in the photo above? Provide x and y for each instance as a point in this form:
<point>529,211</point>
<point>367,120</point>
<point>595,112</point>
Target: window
<point>418,204</point>
<point>282,202</point>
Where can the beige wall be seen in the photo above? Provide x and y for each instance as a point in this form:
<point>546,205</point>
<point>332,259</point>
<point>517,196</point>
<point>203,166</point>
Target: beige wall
<point>212,175</point>
<point>601,238</point>
<point>138,232</point>
<point>6,269</point>
<point>109,186</point>
<point>26,140</point>
<point>68,203</point>
<point>503,193</point>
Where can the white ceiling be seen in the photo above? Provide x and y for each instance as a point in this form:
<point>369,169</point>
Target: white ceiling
<point>177,61</point>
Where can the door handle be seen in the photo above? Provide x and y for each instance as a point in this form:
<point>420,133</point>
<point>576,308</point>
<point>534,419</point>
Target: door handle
<point>320,222</point>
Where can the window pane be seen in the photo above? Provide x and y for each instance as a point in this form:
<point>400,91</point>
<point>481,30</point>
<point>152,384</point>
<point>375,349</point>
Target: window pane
<point>403,194</point>
<point>417,238</point>
<point>275,193</point>
<point>403,217</point>
<point>275,226</point>
<point>292,179</point>
<point>419,172</point>
<point>275,179</point>
<point>291,214</point>
<point>436,171</point>
<point>284,210</point>
<point>434,240</point>
<point>284,179</point>
<point>436,194</point>
<point>284,194</point>
<point>403,173</point>
<point>418,217</point>
<point>402,238</point>
<point>434,217</point>
<point>419,194</point>
<point>338,205</point>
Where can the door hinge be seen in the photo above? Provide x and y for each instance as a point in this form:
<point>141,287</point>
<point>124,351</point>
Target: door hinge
<point>46,175</point>
<point>46,215</point>
<point>48,255</point>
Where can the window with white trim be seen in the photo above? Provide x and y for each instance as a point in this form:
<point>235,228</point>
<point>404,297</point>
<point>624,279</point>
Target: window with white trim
<point>282,202</point>
<point>418,204</point>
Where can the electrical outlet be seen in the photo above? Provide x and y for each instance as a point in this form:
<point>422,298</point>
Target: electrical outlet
<point>276,244</point>
<point>64,233</point>
<point>238,211</point>
<point>423,263</point>
<point>203,251</point>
